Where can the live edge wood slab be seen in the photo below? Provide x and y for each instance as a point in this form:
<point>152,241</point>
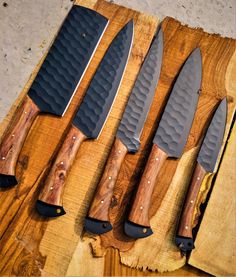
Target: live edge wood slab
<point>31,245</point>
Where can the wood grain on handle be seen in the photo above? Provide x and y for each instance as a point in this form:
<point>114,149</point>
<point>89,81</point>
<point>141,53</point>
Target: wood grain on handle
<point>14,138</point>
<point>186,221</point>
<point>54,184</point>
<point>102,199</point>
<point>140,208</point>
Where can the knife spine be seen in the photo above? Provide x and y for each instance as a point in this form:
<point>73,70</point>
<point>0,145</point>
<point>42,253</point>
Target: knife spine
<point>91,57</point>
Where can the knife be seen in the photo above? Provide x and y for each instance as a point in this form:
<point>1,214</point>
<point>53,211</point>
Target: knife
<point>169,141</point>
<point>55,83</point>
<point>127,137</point>
<point>206,162</point>
<point>89,119</point>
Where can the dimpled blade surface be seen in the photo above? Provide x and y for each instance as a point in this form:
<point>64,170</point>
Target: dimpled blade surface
<point>141,96</point>
<point>176,121</point>
<point>101,92</point>
<point>211,145</point>
<point>67,60</point>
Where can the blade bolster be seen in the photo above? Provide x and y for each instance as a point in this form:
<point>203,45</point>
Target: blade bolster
<point>132,144</point>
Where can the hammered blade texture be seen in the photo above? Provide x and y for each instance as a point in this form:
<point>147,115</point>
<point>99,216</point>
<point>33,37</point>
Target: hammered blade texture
<point>101,92</point>
<point>141,96</point>
<point>67,60</point>
<point>176,121</point>
<point>212,142</point>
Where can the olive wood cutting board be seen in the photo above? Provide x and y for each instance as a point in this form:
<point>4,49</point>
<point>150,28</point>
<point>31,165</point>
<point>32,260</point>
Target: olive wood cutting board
<point>31,245</point>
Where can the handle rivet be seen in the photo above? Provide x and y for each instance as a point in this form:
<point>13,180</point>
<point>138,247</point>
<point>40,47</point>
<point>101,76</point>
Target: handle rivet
<point>198,178</point>
<point>74,138</point>
<point>191,201</point>
<point>157,159</point>
<point>51,188</point>
<point>144,230</point>
<point>109,177</point>
<point>3,158</point>
<point>62,162</point>
<point>102,201</point>
<point>141,207</point>
<point>186,227</point>
<point>149,182</point>
<point>58,211</point>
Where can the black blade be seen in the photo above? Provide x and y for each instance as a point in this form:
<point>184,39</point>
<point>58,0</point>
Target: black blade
<point>103,88</point>
<point>141,97</point>
<point>212,142</point>
<point>67,60</point>
<point>176,121</point>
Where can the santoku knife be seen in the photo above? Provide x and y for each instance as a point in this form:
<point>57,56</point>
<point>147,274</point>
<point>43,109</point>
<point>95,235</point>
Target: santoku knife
<point>169,141</point>
<point>89,120</point>
<point>55,83</point>
<point>127,137</point>
<point>206,162</point>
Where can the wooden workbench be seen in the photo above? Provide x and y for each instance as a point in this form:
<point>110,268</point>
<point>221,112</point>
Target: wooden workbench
<point>31,245</point>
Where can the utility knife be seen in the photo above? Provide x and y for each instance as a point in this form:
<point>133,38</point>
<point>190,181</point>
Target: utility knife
<point>55,83</point>
<point>206,162</point>
<point>169,141</point>
<point>89,119</point>
<point>127,137</point>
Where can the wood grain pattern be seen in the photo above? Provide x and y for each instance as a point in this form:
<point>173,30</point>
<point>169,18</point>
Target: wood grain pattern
<point>173,179</point>
<point>33,246</point>
<point>102,200</point>
<point>139,213</point>
<point>54,185</point>
<point>187,216</point>
<point>15,135</point>
<point>216,236</point>
<point>113,267</point>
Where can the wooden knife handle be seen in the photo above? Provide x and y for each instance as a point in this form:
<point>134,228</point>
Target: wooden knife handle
<point>55,182</point>
<point>14,137</point>
<point>140,208</point>
<point>100,205</point>
<point>186,221</point>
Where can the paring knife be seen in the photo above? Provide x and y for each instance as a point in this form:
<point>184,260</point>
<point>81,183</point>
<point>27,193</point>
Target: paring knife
<point>127,137</point>
<point>55,83</point>
<point>89,120</point>
<point>169,141</point>
<point>206,162</point>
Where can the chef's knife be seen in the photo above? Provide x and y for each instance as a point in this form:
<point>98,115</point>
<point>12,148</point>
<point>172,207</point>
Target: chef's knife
<point>169,141</point>
<point>55,83</point>
<point>128,135</point>
<point>89,120</point>
<point>206,162</point>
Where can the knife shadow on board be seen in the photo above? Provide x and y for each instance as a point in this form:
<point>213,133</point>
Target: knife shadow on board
<point>55,83</point>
